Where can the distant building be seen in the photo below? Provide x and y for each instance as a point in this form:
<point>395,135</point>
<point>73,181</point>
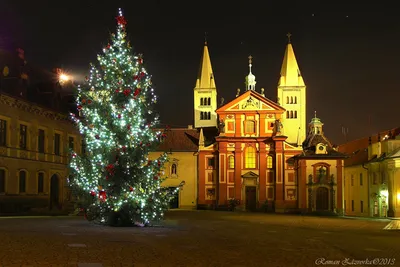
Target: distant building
<point>372,175</point>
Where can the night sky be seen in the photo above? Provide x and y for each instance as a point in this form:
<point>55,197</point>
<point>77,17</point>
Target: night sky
<point>348,55</point>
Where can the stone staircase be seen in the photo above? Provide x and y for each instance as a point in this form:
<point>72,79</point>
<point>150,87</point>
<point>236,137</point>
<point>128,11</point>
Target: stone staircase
<point>393,225</point>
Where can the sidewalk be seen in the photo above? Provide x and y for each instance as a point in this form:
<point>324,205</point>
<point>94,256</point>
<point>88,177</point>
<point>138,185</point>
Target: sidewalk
<point>369,218</point>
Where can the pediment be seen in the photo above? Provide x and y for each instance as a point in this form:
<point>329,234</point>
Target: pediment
<point>250,174</point>
<point>251,100</point>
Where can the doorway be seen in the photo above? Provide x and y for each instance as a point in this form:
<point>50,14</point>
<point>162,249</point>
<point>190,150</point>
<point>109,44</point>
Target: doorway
<point>54,192</point>
<point>174,203</point>
<point>251,198</point>
<point>322,201</point>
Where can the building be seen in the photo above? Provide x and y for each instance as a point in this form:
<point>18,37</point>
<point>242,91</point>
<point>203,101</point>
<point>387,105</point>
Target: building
<point>35,138</point>
<point>251,159</point>
<point>34,147</point>
<point>181,144</point>
<point>372,177</point>
<point>320,173</point>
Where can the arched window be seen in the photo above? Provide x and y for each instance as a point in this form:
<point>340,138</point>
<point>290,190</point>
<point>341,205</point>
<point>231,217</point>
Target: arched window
<point>2,181</point>
<point>40,182</point>
<point>22,181</point>
<point>209,101</point>
<point>295,99</point>
<point>208,115</point>
<point>202,115</point>
<point>295,114</point>
<point>287,100</point>
<point>201,101</point>
<point>231,162</point>
<point>291,100</point>
<point>250,158</point>
<point>287,114</point>
<point>250,126</point>
<point>291,114</point>
<point>173,169</point>
<point>270,162</point>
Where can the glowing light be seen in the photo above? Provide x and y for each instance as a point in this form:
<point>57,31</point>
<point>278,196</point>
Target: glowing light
<point>385,193</point>
<point>398,196</point>
<point>64,78</point>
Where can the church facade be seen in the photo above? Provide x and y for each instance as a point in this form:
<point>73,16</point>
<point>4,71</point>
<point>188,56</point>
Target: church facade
<point>260,158</point>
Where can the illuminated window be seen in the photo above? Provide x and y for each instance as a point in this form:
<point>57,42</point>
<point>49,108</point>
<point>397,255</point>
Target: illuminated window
<point>173,169</point>
<point>250,158</point>
<point>231,162</point>
<point>270,163</point>
<point>250,126</point>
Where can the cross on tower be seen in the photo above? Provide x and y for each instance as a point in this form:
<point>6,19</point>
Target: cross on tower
<point>205,37</point>
<point>315,114</point>
<point>288,36</point>
<point>250,58</point>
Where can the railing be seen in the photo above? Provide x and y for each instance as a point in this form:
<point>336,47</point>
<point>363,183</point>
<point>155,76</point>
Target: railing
<point>24,154</point>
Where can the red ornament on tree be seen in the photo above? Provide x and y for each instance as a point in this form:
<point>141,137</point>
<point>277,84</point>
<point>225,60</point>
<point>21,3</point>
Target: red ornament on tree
<point>79,107</point>
<point>127,92</point>
<point>92,193</point>
<point>121,21</point>
<point>102,195</point>
<point>137,91</point>
<point>119,116</point>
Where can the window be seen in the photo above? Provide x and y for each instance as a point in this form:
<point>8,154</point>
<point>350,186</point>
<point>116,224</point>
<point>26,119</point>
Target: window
<point>374,178</point>
<point>210,163</point>
<point>2,181</point>
<point>41,141</point>
<point>250,126</point>
<point>22,181</point>
<point>23,136</point>
<point>209,116</point>
<point>57,139</point>
<point>3,133</point>
<point>352,180</point>
<point>361,179</point>
<point>201,101</point>
<point>209,101</point>
<point>291,100</point>
<point>173,169</point>
<point>231,162</point>
<point>40,182</point>
<point>295,100</point>
<point>71,143</point>
<point>270,163</point>
<point>295,114</point>
<point>291,114</point>
<point>250,158</point>
<point>287,100</point>
<point>287,114</point>
<point>362,206</point>
<point>270,192</point>
<point>352,205</point>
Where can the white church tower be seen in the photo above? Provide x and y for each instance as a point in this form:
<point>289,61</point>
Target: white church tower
<point>205,94</point>
<point>292,96</point>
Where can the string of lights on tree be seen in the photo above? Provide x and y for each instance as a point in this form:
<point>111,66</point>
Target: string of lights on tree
<point>117,120</point>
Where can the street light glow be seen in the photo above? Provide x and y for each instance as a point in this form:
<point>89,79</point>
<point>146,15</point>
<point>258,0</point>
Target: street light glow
<point>64,77</point>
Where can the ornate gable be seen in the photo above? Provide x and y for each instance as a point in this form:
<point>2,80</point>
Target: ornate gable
<point>251,100</point>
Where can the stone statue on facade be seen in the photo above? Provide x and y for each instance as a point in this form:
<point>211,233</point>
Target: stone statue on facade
<point>221,126</point>
<point>278,127</point>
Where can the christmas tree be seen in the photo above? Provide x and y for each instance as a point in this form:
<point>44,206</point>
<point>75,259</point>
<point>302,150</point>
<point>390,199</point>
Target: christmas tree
<point>116,118</point>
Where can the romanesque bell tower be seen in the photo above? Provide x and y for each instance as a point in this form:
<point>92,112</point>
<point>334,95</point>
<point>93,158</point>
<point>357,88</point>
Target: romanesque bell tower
<point>292,96</point>
<point>205,94</point>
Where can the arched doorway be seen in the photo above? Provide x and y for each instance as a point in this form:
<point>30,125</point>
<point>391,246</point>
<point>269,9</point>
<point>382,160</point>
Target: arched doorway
<point>54,192</point>
<point>322,201</point>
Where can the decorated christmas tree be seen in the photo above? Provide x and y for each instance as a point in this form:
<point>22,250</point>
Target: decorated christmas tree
<point>115,177</point>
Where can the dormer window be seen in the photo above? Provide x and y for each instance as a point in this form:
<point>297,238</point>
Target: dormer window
<point>320,149</point>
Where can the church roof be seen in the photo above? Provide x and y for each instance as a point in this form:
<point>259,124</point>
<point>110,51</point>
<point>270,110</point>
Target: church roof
<point>205,78</point>
<point>180,140</point>
<point>290,72</point>
<point>358,149</point>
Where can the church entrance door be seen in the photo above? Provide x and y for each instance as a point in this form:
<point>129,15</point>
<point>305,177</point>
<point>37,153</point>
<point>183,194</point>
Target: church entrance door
<point>322,199</point>
<point>251,198</point>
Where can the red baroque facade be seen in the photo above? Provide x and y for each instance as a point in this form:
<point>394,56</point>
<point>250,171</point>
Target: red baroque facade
<point>249,160</point>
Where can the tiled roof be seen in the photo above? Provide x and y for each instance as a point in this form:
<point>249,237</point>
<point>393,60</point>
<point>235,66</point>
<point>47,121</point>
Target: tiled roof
<point>357,149</point>
<point>315,139</point>
<point>180,139</point>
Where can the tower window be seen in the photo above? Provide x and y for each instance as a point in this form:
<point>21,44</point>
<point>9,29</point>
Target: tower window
<point>291,100</point>
<point>209,101</point>
<point>287,114</point>
<point>295,114</point>
<point>295,100</point>
<point>291,114</point>
<point>202,115</point>
<point>201,101</point>
<point>287,100</point>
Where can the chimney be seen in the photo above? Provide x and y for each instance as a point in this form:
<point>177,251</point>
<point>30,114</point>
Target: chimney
<point>190,127</point>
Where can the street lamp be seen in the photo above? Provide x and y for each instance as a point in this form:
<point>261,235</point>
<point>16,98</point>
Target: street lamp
<point>63,78</point>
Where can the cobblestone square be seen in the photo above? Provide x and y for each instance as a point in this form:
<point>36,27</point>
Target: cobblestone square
<point>198,238</point>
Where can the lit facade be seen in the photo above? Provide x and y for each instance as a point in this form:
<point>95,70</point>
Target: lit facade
<point>34,147</point>
<point>372,176</point>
